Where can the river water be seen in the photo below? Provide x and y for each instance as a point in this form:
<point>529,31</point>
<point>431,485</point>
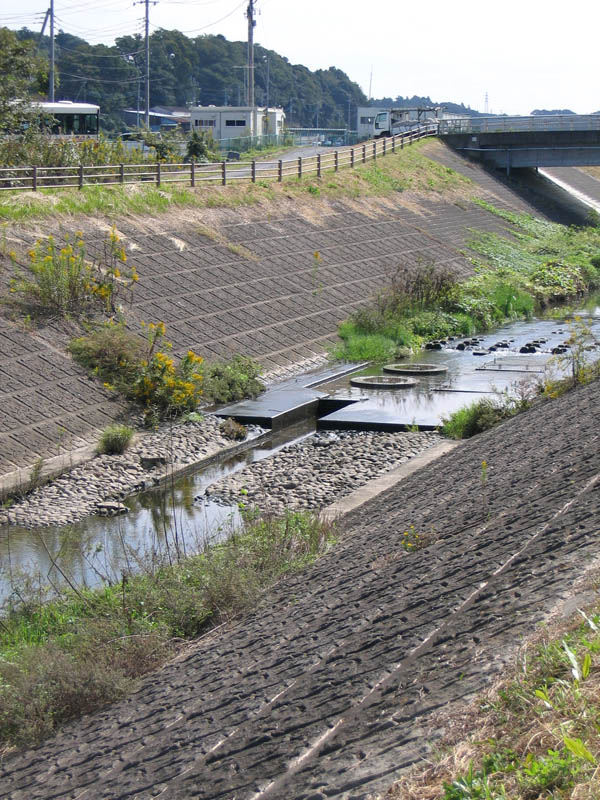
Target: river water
<point>164,523</point>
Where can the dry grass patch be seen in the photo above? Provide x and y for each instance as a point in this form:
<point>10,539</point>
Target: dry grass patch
<point>535,735</point>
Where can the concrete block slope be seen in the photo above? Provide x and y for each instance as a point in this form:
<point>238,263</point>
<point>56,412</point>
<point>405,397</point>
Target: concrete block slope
<point>272,282</point>
<point>334,684</point>
<point>48,404</point>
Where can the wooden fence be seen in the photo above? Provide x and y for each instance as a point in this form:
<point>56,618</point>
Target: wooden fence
<point>195,174</point>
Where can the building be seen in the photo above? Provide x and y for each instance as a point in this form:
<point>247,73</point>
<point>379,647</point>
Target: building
<point>403,117</point>
<point>159,118</point>
<point>230,122</point>
<point>365,118</point>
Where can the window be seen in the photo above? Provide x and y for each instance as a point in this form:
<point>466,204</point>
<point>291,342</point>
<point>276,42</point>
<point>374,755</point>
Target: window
<point>235,123</point>
<point>366,120</point>
<point>204,123</point>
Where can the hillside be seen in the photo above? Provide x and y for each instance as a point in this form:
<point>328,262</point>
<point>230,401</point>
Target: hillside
<point>242,277</point>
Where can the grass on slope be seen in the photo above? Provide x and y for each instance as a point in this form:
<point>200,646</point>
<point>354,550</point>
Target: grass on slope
<point>538,264</point>
<point>67,657</point>
<point>408,169</point>
<point>536,736</point>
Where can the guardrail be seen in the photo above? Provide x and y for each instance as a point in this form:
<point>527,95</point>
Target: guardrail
<point>563,122</point>
<point>195,174</point>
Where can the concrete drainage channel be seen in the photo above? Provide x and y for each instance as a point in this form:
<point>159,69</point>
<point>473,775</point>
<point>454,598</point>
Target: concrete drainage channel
<point>362,433</point>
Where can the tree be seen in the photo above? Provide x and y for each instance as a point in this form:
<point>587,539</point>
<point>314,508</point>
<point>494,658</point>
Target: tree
<point>198,147</point>
<point>24,73</point>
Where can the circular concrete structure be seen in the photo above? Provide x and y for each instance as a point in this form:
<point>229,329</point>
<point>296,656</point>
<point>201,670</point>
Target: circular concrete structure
<point>383,382</point>
<point>415,369</point>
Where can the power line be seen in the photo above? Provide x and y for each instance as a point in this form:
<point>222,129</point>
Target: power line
<point>98,55</point>
<point>106,80</point>
<point>211,24</point>
<point>122,28</point>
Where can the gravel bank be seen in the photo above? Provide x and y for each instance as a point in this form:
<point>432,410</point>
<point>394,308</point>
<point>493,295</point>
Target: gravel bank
<point>99,485</point>
<point>319,470</point>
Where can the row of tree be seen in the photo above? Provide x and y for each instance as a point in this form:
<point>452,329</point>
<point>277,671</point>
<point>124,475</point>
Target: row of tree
<point>204,70</point>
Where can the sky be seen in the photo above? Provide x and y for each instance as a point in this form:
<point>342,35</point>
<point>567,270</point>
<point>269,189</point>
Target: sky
<point>524,54</point>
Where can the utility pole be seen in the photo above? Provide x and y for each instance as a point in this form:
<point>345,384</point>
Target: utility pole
<point>268,81</point>
<point>147,31</point>
<point>43,28</point>
<point>147,114</point>
<point>51,81</point>
<point>251,26</point>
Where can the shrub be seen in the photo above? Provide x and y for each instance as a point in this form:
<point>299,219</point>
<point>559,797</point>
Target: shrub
<point>426,286</point>
<point>199,147</point>
<point>146,373</point>
<point>110,351</point>
<point>63,280</point>
<point>71,656</point>
<point>510,301</point>
<point>233,430</point>
<point>49,686</point>
<point>60,279</point>
<point>483,414</point>
<point>115,439</point>
<point>228,381</point>
<point>163,387</point>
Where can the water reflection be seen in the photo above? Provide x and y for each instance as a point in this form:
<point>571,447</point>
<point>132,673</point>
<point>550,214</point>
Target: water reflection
<point>162,523</point>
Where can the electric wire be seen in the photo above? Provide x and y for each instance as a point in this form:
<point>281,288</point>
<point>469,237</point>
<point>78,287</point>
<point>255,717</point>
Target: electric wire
<point>211,24</point>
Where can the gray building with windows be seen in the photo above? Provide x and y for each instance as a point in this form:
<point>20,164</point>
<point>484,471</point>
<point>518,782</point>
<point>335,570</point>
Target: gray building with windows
<point>229,122</point>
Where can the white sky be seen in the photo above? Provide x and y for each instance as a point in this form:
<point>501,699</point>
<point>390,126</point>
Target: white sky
<point>524,53</point>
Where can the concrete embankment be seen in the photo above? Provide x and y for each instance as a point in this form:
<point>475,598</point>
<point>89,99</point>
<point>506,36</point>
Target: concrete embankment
<point>270,281</point>
<point>335,683</point>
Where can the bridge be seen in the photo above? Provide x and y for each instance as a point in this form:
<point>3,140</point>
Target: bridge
<point>510,142</point>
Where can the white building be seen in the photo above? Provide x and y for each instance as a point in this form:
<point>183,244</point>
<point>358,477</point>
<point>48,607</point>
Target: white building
<point>229,122</point>
<point>365,117</point>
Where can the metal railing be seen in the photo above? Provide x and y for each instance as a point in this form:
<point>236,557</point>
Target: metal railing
<point>563,122</point>
<point>213,173</point>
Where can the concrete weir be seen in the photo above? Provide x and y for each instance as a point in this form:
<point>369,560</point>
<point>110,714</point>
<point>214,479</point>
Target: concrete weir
<point>437,383</point>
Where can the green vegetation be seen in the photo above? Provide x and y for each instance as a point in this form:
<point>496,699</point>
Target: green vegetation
<point>535,736</point>
<point>195,70</point>
<point>407,169</point>
<point>144,371</point>
<point>110,351</point>
<point>578,368</point>
<point>228,381</point>
<point>233,430</point>
<point>483,414</point>
<point>115,439</point>
<point>23,71</point>
<point>68,657</point>
<point>540,264</point>
<point>63,280</point>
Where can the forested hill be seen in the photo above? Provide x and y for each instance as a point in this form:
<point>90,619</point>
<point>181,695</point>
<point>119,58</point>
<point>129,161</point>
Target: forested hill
<point>205,70</point>
<point>417,101</point>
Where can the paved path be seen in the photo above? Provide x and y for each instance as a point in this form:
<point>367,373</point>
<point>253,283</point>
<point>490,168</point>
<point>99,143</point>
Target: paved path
<point>584,184</point>
<point>333,685</point>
